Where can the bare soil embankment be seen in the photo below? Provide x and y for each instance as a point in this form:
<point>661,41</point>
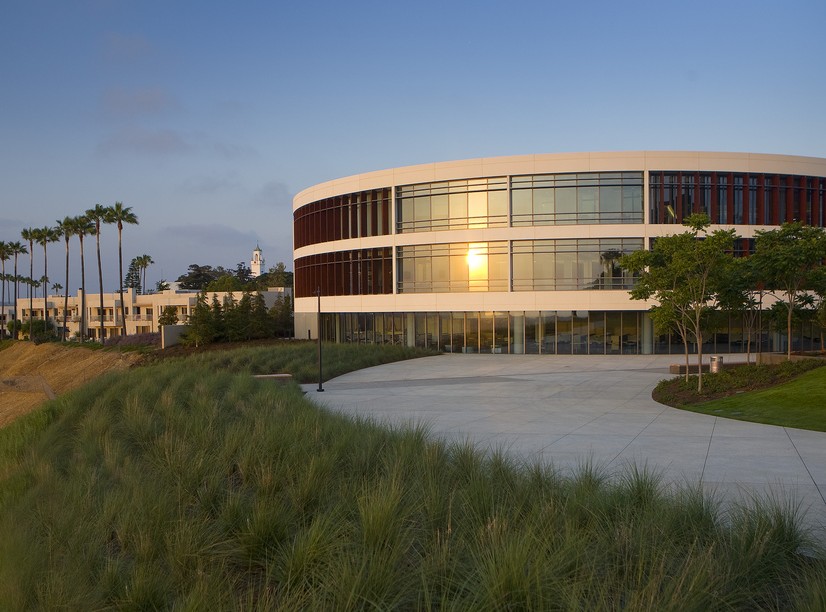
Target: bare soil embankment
<point>30,374</point>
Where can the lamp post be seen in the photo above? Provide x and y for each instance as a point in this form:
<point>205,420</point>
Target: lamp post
<point>318,294</point>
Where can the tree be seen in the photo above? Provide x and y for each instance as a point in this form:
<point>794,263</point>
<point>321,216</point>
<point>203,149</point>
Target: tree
<point>227,282</point>
<point>741,294</point>
<point>282,316</point>
<point>198,277</point>
<point>30,234</point>
<point>66,229</point>
<point>44,236</point>
<point>5,255</point>
<point>143,261</point>
<point>161,285</point>
<point>788,258</point>
<point>132,280</point>
<point>684,273</point>
<point>201,328</point>
<point>121,214</point>
<point>168,316</point>
<point>17,248</point>
<point>84,226</point>
<point>98,215</point>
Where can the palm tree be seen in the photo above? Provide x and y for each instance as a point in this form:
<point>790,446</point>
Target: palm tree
<point>84,226</point>
<point>66,229</point>
<point>99,214</point>
<point>17,248</point>
<point>30,234</point>
<point>44,237</point>
<point>122,214</point>
<point>5,255</point>
<point>143,261</point>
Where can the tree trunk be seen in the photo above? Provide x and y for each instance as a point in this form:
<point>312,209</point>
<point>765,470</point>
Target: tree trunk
<point>31,288</point>
<point>66,293</point>
<point>100,282</point>
<point>45,288</point>
<point>83,291</point>
<point>120,267</point>
<point>16,331</point>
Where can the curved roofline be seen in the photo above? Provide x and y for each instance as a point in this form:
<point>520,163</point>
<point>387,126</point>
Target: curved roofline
<point>605,161</point>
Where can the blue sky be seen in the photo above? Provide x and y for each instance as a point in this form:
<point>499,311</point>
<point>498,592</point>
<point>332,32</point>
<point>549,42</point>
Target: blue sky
<point>206,117</point>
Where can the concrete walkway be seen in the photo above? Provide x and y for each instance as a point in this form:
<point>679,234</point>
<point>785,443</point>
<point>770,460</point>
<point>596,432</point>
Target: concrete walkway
<point>567,410</point>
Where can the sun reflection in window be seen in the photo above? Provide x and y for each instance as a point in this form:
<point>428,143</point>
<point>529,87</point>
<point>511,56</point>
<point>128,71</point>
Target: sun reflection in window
<point>477,263</point>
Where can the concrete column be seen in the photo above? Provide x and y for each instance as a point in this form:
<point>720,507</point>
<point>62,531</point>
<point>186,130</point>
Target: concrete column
<point>410,329</point>
<point>646,334</point>
<point>518,334</point>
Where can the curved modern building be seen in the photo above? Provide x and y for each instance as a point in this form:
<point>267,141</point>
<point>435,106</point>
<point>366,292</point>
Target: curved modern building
<point>519,254</point>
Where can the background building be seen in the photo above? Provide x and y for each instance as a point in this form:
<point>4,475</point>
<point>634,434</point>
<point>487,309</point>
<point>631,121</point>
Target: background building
<point>519,254</point>
<point>142,311</point>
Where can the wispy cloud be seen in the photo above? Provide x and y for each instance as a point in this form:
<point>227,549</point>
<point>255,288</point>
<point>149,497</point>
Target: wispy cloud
<point>142,141</point>
<point>204,235</point>
<point>202,185</point>
<point>123,47</point>
<point>273,194</point>
<point>144,101</point>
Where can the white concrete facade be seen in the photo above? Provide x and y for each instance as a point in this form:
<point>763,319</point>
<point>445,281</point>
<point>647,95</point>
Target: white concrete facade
<point>142,311</point>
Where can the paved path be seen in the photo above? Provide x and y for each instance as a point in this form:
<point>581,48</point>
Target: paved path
<point>570,409</point>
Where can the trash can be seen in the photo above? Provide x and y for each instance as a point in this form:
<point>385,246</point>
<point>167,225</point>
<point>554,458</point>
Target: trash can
<point>716,364</point>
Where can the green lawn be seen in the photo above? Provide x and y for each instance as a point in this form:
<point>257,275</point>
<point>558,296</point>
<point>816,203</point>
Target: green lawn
<point>188,484</point>
<point>798,403</point>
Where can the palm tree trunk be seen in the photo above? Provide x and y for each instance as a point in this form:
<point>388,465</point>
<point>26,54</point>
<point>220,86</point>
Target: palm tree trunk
<point>83,291</point>
<point>100,281</point>
<point>15,297</point>
<point>31,288</point>
<point>45,288</point>
<point>66,293</point>
<point>120,266</point>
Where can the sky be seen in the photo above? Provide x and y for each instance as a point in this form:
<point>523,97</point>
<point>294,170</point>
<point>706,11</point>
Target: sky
<point>207,117</point>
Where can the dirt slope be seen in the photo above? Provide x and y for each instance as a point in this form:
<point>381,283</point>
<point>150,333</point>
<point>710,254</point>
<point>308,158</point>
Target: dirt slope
<point>29,374</point>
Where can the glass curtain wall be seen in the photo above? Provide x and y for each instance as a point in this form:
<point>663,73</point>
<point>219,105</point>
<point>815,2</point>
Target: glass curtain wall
<point>560,199</point>
<point>453,267</point>
<point>552,333</point>
<point>464,204</point>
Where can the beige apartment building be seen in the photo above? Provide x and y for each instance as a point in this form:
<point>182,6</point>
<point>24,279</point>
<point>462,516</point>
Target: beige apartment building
<point>142,311</point>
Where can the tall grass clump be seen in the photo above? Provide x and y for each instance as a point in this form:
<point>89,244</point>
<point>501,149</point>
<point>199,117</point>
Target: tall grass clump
<point>301,358</point>
<point>189,484</point>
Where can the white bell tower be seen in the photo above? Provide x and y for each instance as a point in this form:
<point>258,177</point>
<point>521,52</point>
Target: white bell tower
<point>257,263</point>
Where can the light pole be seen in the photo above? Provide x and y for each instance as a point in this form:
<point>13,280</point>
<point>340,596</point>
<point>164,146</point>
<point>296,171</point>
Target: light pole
<point>318,294</point>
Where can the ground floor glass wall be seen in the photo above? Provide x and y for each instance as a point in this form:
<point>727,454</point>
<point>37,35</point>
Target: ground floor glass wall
<point>558,332</point>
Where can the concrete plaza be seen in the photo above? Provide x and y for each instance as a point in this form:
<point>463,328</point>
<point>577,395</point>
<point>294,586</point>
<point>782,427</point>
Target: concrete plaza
<point>567,410</point>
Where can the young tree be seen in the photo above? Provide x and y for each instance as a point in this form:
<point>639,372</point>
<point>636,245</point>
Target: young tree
<point>168,316</point>
<point>161,285</point>
<point>740,294</point>
<point>788,258</point>
<point>684,273</point>
<point>132,280</point>
<point>201,323</point>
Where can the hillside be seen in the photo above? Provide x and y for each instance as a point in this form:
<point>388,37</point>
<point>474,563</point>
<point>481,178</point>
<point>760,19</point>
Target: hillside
<point>31,374</point>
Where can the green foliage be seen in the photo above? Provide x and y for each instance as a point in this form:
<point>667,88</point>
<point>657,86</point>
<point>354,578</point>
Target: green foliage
<point>168,316</point>
<point>226,282</point>
<point>132,280</point>
<point>790,260</point>
<point>685,274</point>
<point>39,330</point>
<point>185,485</point>
<point>238,321</point>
